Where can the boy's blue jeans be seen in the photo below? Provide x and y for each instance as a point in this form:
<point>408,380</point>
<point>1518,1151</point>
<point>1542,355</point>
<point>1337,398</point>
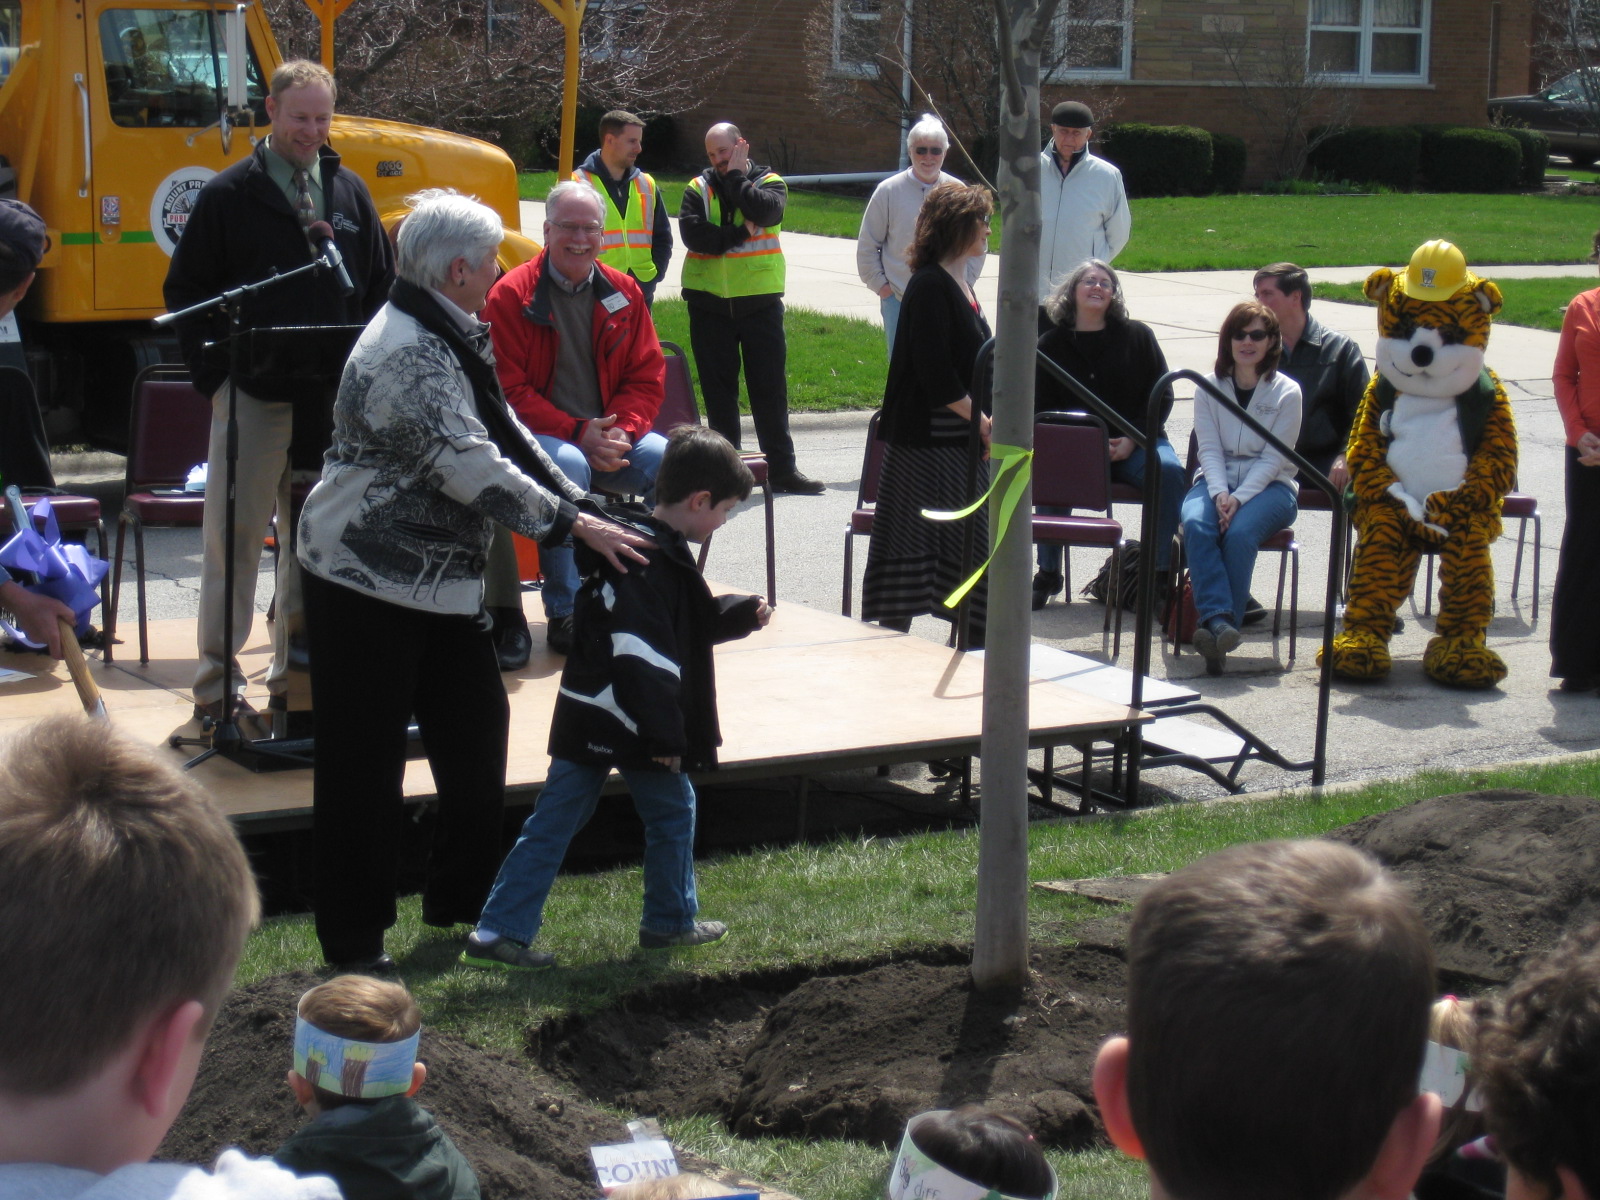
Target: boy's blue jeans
<point>1131,471</point>
<point>665,803</point>
<point>1220,565</point>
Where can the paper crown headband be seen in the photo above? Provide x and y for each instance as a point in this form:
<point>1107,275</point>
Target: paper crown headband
<point>915,1176</point>
<point>359,1070</point>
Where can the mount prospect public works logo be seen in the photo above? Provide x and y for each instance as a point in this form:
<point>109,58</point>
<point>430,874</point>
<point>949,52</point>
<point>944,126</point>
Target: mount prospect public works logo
<point>172,201</point>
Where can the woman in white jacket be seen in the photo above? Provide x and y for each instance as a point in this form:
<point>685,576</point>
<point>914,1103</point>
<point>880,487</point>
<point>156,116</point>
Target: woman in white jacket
<point>1244,490</point>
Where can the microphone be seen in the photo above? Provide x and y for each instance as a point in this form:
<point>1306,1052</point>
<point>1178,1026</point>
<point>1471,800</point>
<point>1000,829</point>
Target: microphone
<point>321,234</point>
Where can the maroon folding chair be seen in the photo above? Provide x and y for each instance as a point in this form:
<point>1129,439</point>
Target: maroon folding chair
<point>679,406</point>
<point>1072,470</point>
<point>169,432</point>
<point>860,523</point>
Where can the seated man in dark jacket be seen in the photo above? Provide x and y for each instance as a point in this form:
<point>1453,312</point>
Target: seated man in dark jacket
<point>1328,367</point>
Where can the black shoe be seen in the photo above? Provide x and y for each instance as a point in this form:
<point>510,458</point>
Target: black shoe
<point>1399,626</point>
<point>1254,613</point>
<point>793,483</point>
<point>1579,683</point>
<point>1045,585</point>
<point>558,633</point>
<point>513,644</point>
<point>382,964</point>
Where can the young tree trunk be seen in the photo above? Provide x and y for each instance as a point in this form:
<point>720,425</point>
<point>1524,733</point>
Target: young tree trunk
<point>1000,949</point>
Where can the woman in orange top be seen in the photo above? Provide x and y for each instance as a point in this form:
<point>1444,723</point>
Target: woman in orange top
<point>1574,633</point>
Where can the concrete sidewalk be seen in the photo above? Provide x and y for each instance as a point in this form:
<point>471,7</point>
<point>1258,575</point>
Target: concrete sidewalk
<point>1379,730</point>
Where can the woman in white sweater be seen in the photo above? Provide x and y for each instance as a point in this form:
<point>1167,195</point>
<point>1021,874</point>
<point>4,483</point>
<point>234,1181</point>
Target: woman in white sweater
<point>1244,490</point>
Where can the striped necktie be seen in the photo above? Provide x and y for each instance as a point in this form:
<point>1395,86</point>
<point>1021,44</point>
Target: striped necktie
<point>305,207</point>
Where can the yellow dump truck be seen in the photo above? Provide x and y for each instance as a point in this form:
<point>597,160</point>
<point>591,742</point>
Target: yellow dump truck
<point>113,114</point>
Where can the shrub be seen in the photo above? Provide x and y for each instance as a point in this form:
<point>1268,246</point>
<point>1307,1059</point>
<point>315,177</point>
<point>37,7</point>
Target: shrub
<point>1535,153</point>
<point>1160,160</point>
<point>1382,154</point>
<point>1227,163</point>
<point>1463,159</point>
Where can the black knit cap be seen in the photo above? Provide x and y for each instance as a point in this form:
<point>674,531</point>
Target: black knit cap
<point>1071,114</point>
<point>22,238</point>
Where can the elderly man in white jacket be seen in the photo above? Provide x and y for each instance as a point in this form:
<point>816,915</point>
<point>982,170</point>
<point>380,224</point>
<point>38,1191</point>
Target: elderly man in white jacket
<point>1084,207</point>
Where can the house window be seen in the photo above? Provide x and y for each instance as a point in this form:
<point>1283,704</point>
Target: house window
<point>1088,39</point>
<point>857,26</point>
<point>611,31</point>
<point>1368,41</point>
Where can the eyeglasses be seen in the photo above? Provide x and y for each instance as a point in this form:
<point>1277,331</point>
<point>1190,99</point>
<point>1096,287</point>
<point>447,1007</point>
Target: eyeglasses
<point>1103,285</point>
<point>587,228</point>
<point>1251,335</point>
<point>919,151</point>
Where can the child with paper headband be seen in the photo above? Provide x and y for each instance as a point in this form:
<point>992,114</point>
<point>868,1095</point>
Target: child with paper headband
<point>969,1153</point>
<point>355,1073</point>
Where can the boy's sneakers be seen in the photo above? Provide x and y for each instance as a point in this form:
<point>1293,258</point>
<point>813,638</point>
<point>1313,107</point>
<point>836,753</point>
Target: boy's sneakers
<point>701,933</point>
<point>503,954</point>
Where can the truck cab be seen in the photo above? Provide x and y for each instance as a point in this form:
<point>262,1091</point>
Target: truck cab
<point>113,115</point>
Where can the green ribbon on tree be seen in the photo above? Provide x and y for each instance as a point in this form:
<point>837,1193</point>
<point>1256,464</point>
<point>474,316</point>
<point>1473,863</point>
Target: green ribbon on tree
<point>1013,467</point>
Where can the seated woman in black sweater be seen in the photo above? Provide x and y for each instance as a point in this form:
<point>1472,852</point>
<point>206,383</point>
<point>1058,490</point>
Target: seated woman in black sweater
<point>1119,361</point>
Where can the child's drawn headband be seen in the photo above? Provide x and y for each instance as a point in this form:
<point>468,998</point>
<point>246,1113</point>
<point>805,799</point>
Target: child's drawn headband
<point>360,1070</point>
<point>915,1176</point>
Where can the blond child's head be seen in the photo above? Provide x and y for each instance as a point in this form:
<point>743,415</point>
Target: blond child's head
<point>125,901</point>
<point>355,1043</point>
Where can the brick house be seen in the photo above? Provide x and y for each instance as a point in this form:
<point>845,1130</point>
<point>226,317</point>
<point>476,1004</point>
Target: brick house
<point>1162,61</point>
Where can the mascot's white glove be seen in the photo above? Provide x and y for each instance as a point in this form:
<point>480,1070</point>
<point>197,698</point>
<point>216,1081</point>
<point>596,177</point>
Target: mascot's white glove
<point>1413,506</point>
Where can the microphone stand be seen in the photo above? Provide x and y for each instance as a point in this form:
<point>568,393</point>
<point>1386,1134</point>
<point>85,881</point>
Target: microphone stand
<point>226,738</point>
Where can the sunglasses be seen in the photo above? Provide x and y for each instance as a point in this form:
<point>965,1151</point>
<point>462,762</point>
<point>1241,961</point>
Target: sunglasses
<point>919,151</point>
<point>1251,335</point>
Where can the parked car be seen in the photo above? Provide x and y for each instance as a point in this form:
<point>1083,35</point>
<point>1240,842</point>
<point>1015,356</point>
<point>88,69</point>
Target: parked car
<point>1567,112</point>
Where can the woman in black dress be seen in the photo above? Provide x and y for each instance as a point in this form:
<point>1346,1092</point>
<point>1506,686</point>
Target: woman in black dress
<point>914,563</point>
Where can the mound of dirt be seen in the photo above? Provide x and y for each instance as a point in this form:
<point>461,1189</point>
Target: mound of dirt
<point>856,1050</point>
<point>522,1137</point>
<point>1499,876</point>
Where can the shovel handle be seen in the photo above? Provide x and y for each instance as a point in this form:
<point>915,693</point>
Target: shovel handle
<point>78,667</point>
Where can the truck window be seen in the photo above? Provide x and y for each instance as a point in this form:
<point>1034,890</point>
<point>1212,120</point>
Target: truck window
<point>10,36</point>
<point>166,66</point>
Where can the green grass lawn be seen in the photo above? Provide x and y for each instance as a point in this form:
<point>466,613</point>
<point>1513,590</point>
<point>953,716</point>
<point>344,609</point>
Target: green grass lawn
<point>1213,233</point>
<point>835,363</point>
<point>1536,303</point>
<point>852,898</point>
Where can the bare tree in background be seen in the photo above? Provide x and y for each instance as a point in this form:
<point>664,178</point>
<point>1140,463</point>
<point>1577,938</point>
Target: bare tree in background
<point>1567,42</point>
<point>493,68</point>
<point>1296,106</point>
<point>855,59</point>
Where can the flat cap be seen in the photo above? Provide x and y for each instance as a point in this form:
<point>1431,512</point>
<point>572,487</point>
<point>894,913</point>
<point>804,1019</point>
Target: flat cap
<point>1071,114</point>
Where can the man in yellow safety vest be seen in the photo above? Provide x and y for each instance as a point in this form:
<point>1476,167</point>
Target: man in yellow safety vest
<point>638,235</point>
<point>733,279</point>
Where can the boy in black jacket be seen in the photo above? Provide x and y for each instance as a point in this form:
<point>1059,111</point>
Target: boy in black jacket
<point>639,694</point>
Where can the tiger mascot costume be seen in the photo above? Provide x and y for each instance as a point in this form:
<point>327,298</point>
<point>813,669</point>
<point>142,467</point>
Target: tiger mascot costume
<point>1432,455</point>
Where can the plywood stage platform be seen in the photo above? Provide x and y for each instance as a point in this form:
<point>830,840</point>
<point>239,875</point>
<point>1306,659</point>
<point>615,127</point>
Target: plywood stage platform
<point>810,693</point>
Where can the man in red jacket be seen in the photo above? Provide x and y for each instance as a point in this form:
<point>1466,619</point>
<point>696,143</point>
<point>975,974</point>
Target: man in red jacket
<point>580,363</point>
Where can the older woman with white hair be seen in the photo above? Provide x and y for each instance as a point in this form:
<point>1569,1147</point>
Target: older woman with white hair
<point>426,458</point>
<point>891,219</point>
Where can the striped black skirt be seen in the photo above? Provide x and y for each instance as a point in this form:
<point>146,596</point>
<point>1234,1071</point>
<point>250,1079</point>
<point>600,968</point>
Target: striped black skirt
<point>913,563</point>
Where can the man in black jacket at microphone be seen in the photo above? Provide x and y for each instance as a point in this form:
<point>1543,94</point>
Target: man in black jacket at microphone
<point>269,212</point>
